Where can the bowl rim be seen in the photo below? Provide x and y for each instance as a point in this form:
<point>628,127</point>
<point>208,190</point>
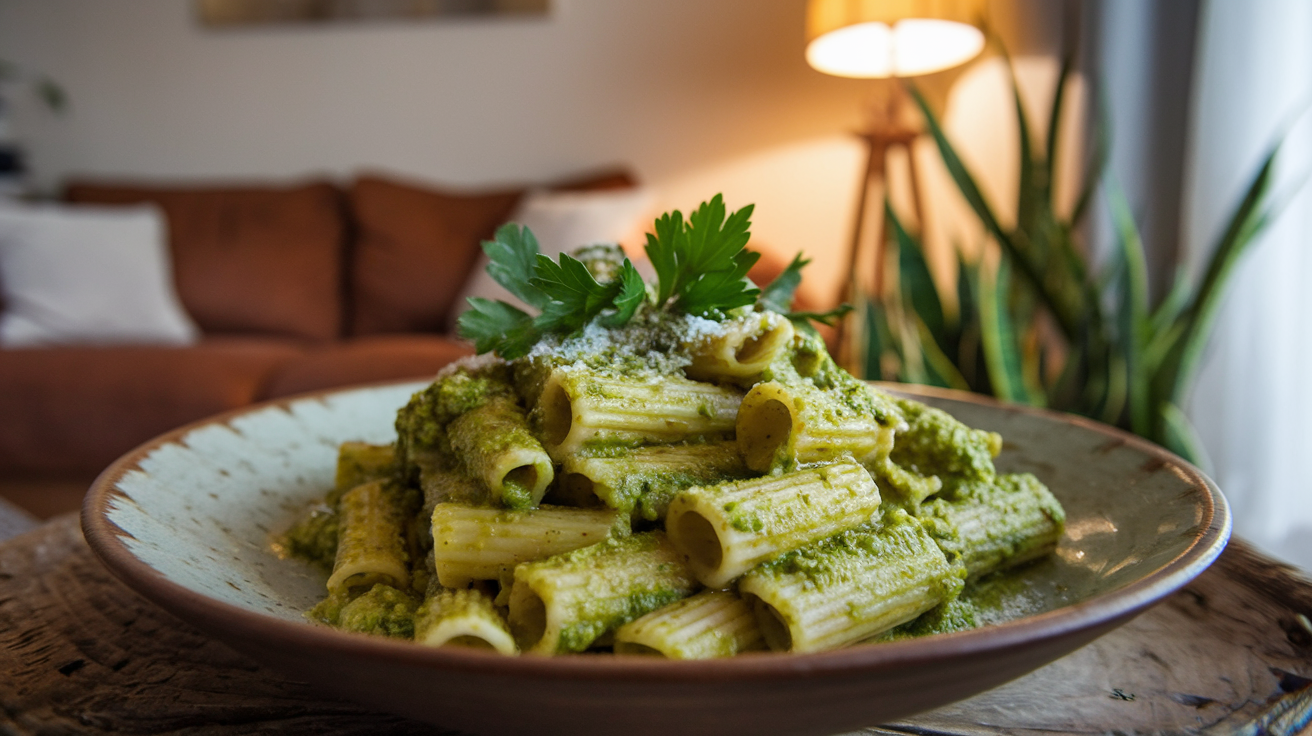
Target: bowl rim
<point>106,540</point>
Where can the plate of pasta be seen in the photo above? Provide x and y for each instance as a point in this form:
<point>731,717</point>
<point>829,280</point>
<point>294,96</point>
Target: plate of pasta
<point>652,507</point>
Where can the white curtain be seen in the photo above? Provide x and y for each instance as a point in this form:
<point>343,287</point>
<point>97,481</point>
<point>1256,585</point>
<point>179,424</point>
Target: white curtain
<point>1252,403</point>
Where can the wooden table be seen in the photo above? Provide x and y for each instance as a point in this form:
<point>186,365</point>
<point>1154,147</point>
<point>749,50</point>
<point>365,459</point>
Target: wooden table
<point>82,654</point>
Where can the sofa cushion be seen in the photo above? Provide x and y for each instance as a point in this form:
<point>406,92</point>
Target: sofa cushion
<point>78,408</point>
<point>249,259</point>
<point>415,246</point>
<point>366,360</point>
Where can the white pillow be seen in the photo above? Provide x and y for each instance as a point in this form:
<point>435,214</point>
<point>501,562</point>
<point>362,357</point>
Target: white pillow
<point>561,222</point>
<point>87,275</point>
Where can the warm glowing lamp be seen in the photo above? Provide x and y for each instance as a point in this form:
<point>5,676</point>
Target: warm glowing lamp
<point>891,38</point>
<point>874,39</point>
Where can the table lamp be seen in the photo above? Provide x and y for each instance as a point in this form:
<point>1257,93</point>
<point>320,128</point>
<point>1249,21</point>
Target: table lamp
<point>881,39</point>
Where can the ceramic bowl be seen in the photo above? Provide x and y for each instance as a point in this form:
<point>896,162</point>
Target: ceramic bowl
<point>186,520</point>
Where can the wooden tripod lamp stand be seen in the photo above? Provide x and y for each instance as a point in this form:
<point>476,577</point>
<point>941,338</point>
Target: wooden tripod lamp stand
<point>885,39</point>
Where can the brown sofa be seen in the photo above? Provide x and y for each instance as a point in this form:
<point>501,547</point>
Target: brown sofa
<point>295,287</point>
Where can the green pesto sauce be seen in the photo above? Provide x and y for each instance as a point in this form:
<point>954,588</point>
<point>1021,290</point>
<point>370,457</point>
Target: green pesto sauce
<point>935,443</point>
<point>314,537</point>
<point>383,611</point>
<point>421,423</point>
<point>611,614</point>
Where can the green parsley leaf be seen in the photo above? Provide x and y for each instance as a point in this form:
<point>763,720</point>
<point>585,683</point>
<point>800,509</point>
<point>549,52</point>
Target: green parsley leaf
<point>663,248</point>
<point>513,255</point>
<point>633,291</point>
<point>778,296</point>
<point>495,325</point>
<point>701,267</point>
<point>574,297</point>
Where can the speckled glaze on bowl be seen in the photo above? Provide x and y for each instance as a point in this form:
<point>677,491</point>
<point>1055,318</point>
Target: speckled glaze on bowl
<point>186,520</point>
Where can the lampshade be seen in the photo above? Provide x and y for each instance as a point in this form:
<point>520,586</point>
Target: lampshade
<point>892,38</point>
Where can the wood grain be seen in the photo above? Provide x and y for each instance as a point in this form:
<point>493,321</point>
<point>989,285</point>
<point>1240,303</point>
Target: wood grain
<point>82,654</point>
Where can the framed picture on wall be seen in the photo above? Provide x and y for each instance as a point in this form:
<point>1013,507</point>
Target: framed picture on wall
<point>237,13</point>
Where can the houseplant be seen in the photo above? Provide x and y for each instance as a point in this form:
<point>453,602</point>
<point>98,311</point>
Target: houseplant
<point>1047,325</point>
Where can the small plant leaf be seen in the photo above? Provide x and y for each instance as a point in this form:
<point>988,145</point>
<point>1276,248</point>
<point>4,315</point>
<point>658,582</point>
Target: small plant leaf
<point>975,198</point>
<point>778,296</point>
<point>1180,437</point>
<point>512,256</point>
<point>914,279</point>
<point>1249,218</point>
<point>1001,355</point>
<point>1133,312</point>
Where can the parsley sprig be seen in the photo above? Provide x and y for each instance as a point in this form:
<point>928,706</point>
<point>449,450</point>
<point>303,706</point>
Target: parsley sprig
<point>701,268</point>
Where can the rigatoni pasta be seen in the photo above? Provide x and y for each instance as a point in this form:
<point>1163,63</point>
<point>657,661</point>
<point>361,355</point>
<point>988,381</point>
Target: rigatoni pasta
<point>662,477</point>
<point>727,529</point>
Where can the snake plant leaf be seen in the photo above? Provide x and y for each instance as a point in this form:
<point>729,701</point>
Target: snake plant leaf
<point>968,350</point>
<point>1169,309</point>
<point>1180,437</point>
<point>875,331</point>
<point>940,369</point>
<point>998,333</point>
<point>1029,193</point>
<point>916,283</point>
<point>910,353</point>
<point>975,198</point>
<point>1248,219</point>
<point>1117,390</point>
<point>1133,313</point>
<point>1099,157</point>
<point>1054,116</point>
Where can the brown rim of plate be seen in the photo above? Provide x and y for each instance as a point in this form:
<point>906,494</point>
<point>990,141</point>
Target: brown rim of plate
<point>104,538</point>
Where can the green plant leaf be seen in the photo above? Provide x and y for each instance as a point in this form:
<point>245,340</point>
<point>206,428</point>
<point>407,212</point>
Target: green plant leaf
<point>942,371</point>
<point>999,337</point>
<point>1099,157</point>
<point>1180,437</point>
<point>663,247</point>
<point>915,281</point>
<point>574,297</point>
<point>495,325</point>
<point>701,264</point>
<point>828,319</point>
<point>512,256</point>
<point>975,198</point>
<point>1054,116</point>
<point>1030,194</point>
<point>633,291</point>
<point>1249,218</point>
<point>1133,314</point>
<point>778,296</point>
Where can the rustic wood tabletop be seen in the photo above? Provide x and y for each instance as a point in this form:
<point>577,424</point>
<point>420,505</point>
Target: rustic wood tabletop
<point>80,653</point>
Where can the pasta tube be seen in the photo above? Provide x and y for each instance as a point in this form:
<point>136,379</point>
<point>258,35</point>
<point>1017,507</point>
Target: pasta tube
<point>477,543</point>
<point>713,623</point>
<point>462,618</point>
<point>644,480</point>
<point>565,603</point>
<point>850,586</point>
<point>371,545</point>
<point>581,407</point>
<point>742,350</point>
<point>991,526</point>
<point>785,423</point>
<point>494,441</point>
<point>361,462</point>
<point>727,529</point>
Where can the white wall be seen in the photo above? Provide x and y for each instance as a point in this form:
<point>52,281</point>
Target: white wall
<point>698,96</point>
